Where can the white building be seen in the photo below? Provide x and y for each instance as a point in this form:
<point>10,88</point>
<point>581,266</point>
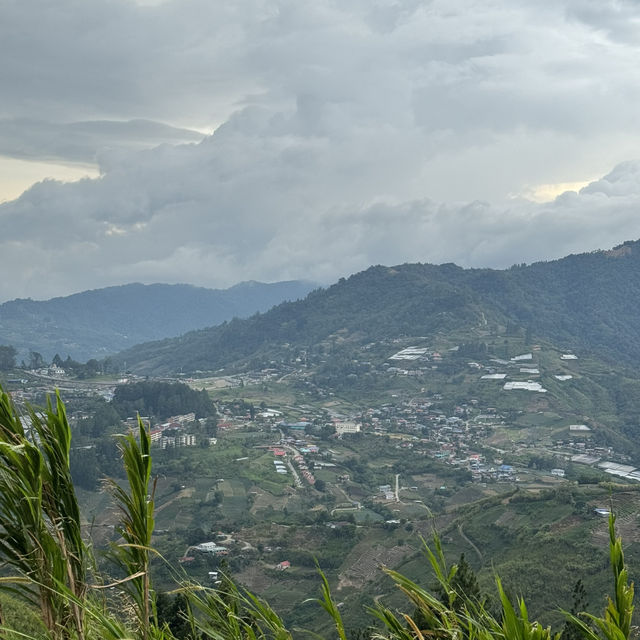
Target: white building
<point>209,547</point>
<point>347,427</point>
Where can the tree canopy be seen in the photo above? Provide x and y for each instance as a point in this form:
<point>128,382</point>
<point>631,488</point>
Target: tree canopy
<point>161,400</point>
<point>7,357</point>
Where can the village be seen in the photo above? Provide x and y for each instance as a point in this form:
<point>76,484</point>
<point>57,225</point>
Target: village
<point>349,469</point>
<point>491,441</point>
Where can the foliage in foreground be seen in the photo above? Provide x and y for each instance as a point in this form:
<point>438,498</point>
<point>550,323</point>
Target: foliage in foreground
<point>54,569</point>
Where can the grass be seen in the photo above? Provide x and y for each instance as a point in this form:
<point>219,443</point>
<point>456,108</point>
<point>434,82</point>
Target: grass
<point>364,515</point>
<point>234,504</point>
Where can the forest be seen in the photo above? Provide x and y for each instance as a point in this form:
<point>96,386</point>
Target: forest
<point>161,400</point>
<point>587,301</point>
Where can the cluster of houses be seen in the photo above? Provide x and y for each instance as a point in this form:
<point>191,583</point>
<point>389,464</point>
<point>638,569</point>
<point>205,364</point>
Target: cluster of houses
<point>52,371</point>
<point>304,469</point>
<point>387,492</point>
<point>208,548</point>
<point>304,447</point>
<point>279,465</point>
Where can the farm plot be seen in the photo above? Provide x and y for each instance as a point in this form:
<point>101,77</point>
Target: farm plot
<point>234,503</point>
<point>364,561</point>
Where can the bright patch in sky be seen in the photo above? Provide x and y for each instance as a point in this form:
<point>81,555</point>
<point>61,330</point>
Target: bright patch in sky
<point>549,192</point>
<point>19,175</point>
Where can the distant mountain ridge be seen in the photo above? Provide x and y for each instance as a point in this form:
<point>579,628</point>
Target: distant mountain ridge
<point>95,323</point>
<point>586,301</point>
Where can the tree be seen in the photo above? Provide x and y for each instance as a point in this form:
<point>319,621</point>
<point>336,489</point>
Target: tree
<point>7,357</point>
<point>92,367</point>
<point>571,630</point>
<point>161,399</point>
<point>36,361</point>
<point>211,426</point>
<point>173,611</point>
<point>327,431</point>
<point>465,583</point>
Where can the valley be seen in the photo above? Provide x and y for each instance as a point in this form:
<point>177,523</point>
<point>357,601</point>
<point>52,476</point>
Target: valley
<point>342,431</point>
<point>506,450</point>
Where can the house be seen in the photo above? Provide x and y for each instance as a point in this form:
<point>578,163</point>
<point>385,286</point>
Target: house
<point>211,547</point>
<point>281,566</point>
<point>57,372</point>
<point>347,427</point>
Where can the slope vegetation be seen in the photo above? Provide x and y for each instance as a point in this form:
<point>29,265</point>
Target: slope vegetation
<point>588,301</point>
<point>102,321</point>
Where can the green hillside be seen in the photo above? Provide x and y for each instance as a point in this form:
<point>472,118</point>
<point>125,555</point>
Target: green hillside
<point>587,302</point>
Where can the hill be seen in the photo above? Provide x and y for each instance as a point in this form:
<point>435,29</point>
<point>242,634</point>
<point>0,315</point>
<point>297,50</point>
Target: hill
<point>95,323</point>
<point>587,301</point>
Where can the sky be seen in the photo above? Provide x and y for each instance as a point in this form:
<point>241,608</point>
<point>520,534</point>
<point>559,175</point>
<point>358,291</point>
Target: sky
<point>213,142</point>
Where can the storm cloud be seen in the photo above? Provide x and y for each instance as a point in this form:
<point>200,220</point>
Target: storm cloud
<point>345,134</point>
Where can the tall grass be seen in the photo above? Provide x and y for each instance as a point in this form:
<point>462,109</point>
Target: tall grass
<point>40,535</point>
<point>132,553</point>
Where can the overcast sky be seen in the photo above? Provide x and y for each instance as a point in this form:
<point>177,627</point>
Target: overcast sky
<point>279,139</point>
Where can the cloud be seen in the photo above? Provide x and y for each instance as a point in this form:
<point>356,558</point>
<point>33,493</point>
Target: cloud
<point>83,142</point>
<point>346,133</point>
<point>254,201</point>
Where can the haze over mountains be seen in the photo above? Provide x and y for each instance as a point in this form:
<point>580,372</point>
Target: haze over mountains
<point>99,322</point>
<point>589,301</point>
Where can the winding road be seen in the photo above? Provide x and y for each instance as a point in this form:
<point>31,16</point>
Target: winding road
<point>470,543</point>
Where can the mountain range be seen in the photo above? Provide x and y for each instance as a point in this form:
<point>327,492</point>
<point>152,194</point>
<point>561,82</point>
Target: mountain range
<point>95,323</point>
<point>588,301</point>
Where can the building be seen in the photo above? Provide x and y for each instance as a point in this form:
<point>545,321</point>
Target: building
<point>211,547</point>
<point>347,427</point>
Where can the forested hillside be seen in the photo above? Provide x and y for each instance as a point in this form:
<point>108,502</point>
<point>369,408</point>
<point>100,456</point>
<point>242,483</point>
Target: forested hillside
<point>589,301</point>
<point>161,399</point>
<point>102,321</point>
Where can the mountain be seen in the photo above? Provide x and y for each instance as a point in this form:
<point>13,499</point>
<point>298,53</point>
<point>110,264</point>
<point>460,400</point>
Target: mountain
<point>589,301</point>
<point>96,323</point>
